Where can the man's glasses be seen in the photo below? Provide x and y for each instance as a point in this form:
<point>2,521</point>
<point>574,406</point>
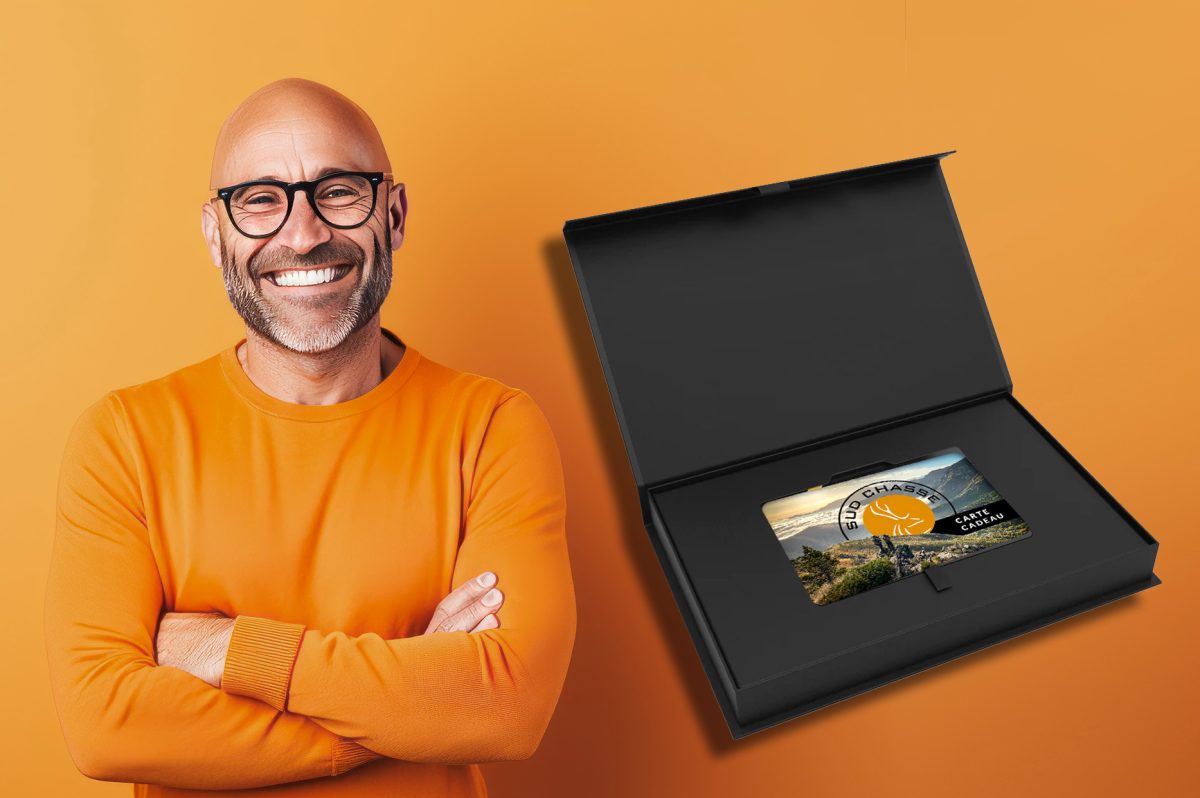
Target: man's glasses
<point>259,208</point>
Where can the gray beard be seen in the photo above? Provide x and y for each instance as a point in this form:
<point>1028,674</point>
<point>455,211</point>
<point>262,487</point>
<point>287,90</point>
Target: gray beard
<point>260,314</point>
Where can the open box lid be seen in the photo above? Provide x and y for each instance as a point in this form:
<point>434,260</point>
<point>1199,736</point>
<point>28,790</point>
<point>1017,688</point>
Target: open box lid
<point>738,324</point>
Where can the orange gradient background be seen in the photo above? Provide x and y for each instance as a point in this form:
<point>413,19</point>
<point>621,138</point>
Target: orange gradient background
<point>1075,177</point>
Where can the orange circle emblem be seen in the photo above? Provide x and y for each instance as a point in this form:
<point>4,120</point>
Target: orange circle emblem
<point>898,514</point>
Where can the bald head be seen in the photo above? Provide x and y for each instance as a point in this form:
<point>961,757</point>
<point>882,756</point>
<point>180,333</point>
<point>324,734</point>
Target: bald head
<point>291,129</point>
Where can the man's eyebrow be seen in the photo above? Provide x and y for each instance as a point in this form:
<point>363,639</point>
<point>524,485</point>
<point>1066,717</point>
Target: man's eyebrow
<point>328,170</point>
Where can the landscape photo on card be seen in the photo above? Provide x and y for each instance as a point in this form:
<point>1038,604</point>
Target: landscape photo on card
<point>874,529</point>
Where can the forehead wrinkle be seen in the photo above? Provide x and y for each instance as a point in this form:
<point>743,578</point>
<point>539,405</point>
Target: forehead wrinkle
<point>243,164</point>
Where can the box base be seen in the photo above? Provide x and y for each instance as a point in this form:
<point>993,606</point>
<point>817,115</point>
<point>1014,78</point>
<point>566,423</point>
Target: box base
<point>739,730</point>
<point>771,654</point>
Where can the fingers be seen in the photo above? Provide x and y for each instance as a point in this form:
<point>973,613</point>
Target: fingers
<point>466,619</point>
<point>467,605</point>
<point>460,598</point>
<point>490,621</point>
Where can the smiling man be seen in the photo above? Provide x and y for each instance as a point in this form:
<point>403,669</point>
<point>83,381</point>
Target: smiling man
<point>318,559</point>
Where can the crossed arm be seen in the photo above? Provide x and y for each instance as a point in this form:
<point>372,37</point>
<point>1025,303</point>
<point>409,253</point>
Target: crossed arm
<point>449,697</point>
<point>198,643</point>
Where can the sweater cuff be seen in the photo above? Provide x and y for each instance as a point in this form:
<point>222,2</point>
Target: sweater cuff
<point>348,755</point>
<point>259,661</point>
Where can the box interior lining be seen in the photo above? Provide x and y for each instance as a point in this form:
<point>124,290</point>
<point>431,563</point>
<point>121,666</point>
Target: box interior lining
<point>758,610</point>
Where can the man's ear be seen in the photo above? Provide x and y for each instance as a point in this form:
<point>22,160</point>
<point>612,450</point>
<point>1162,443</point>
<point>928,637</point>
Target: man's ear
<point>210,227</point>
<point>397,214</point>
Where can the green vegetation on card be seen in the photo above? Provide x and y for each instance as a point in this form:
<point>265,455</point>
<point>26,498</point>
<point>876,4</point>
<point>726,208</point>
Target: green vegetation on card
<point>854,566</point>
<point>863,577</point>
<point>815,568</point>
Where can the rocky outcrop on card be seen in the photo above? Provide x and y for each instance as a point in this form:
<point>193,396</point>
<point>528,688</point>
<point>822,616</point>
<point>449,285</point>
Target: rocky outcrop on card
<point>854,566</point>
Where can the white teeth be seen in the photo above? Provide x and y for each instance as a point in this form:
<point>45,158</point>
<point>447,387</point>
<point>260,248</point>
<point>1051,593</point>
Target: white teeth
<point>310,277</point>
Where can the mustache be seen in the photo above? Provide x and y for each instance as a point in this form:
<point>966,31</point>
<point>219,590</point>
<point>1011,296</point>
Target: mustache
<point>324,255</point>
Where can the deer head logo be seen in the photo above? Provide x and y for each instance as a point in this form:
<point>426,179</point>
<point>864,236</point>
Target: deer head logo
<point>898,514</point>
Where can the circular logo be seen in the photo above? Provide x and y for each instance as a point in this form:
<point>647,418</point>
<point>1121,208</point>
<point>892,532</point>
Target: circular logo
<point>891,508</point>
<point>898,514</point>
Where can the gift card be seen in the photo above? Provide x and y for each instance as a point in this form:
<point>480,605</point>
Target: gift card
<point>873,529</point>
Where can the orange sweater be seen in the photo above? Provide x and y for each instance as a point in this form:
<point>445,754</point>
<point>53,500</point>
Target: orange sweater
<point>330,532</point>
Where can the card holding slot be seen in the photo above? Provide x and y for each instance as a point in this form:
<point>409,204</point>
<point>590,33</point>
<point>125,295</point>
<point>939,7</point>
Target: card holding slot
<point>880,525</point>
<point>881,465</point>
<point>843,476</point>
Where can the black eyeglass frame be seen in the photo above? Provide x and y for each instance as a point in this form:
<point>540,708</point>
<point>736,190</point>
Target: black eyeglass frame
<point>307,186</point>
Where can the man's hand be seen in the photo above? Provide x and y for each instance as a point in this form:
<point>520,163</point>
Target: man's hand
<point>195,642</point>
<point>471,607</point>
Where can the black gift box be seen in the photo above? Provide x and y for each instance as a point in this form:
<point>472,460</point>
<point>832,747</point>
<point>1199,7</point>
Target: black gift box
<point>760,341</point>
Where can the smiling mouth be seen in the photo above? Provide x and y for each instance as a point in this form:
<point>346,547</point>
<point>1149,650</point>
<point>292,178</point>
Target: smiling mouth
<point>288,278</point>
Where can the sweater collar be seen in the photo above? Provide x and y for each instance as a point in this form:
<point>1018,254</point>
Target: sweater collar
<point>245,388</point>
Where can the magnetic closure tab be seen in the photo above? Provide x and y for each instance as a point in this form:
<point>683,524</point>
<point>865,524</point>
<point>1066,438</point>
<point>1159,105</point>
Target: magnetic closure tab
<point>775,188</point>
<point>937,578</point>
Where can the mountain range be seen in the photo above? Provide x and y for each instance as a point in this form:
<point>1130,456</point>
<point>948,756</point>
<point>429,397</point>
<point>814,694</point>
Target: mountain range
<point>959,482</point>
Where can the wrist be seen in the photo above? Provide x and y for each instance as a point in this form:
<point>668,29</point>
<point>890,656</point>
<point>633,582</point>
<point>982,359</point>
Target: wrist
<point>222,636</point>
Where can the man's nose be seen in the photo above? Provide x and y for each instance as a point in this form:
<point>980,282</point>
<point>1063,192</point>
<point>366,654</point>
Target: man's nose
<point>303,229</point>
